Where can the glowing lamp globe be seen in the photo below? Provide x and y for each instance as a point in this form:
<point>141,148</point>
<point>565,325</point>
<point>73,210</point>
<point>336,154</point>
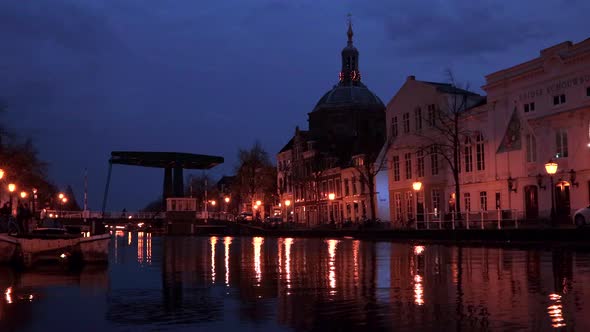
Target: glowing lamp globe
<point>287,202</point>
<point>11,187</point>
<point>23,194</point>
<point>331,196</point>
<point>551,167</point>
<point>417,185</point>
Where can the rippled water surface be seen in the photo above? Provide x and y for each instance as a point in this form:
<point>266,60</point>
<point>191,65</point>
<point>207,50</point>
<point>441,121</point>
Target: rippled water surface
<point>283,284</point>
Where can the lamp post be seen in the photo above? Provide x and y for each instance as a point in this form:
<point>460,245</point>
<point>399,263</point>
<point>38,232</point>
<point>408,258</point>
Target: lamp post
<point>226,199</point>
<point>34,200</point>
<point>417,185</point>
<point>551,169</point>
<point>331,197</point>
<point>287,203</point>
<point>11,189</point>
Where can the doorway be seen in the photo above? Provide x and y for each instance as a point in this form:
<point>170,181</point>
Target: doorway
<point>562,200</point>
<point>531,202</point>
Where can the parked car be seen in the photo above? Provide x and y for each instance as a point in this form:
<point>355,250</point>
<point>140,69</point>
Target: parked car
<point>582,217</point>
<point>273,222</point>
<point>245,216</point>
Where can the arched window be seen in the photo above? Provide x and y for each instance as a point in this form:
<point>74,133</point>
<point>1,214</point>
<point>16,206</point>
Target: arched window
<point>468,155</point>
<point>480,153</point>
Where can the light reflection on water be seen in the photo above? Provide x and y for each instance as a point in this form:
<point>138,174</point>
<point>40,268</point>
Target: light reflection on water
<point>272,284</point>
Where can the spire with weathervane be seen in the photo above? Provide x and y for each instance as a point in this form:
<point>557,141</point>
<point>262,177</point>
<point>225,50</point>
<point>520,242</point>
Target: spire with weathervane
<point>350,74</point>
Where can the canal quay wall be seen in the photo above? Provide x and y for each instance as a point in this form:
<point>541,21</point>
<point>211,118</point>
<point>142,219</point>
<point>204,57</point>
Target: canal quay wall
<point>533,236</point>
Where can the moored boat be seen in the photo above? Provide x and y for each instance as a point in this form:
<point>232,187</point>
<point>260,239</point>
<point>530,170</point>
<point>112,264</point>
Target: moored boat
<point>53,245</point>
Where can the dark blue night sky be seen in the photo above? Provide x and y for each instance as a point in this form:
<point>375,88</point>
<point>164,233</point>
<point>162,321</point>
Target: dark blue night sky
<point>85,77</point>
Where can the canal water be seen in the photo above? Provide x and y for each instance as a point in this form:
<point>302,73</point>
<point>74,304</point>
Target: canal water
<point>293,284</point>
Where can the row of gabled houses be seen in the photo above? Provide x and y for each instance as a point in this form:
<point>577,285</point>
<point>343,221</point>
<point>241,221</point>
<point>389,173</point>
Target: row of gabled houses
<point>482,157</point>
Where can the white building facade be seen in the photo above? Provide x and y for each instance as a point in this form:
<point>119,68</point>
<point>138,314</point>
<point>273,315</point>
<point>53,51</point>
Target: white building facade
<point>534,112</point>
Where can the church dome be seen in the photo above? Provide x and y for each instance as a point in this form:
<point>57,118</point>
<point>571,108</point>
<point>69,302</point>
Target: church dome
<point>349,96</point>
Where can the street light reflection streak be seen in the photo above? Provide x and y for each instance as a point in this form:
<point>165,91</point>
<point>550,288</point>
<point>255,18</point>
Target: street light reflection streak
<point>213,243</point>
<point>140,242</point>
<point>227,243</point>
<point>555,311</point>
<point>332,246</point>
<point>288,243</point>
<point>8,295</point>
<point>148,243</point>
<point>257,241</point>
<point>418,290</point>
<point>129,239</point>
<point>355,258</point>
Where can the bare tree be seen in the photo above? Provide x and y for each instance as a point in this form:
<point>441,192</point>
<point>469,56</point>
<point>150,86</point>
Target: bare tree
<point>255,175</point>
<point>368,166</point>
<point>448,130</point>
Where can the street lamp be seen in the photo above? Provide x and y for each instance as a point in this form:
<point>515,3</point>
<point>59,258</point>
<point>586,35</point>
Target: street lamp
<point>23,194</point>
<point>331,197</point>
<point>11,189</point>
<point>551,169</point>
<point>287,204</point>
<point>34,199</point>
<point>417,185</point>
<point>258,203</point>
<point>226,199</point>
<point>1,173</point>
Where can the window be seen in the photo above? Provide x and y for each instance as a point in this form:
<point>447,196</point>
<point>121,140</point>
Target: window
<point>408,159</point>
<point>397,197</point>
<point>559,99</point>
<point>406,119</point>
<point>434,161</point>
<point>409,200</point>
<point>483,201</point>
<point>431,115</point>
<point>436,202</point>
<point>588,91</point>
<point>467,198</point>
<point>468,155</point>
<point>531,148</point>
<point>338,188</point>
<point>561,143</point>
<point>420,163</point>
<point>354,186</point>
<point>394,126</point>
<point>530,107</point>
<point>396,172</point>
<point>498,201</point>
<point>346,188</point>
<point>480,153</point>
<point>418,118</point>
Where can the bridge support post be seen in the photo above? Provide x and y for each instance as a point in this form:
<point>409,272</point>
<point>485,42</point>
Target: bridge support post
<point>178,182</point>
<point>167,191</point>
<point>106,189</point>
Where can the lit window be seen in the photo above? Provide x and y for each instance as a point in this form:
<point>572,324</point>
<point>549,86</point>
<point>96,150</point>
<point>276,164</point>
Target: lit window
<point>408,159</point>
<point>559,99</point>
<point>398,205</point>
<point>396,172</point>
<point>468,155</point>
<point>420,163</point>
<point>436,202</point>
<point>431,115</point>
<point>531,148</point>
<point>418,118</point>
<point>480,153</point>
<point>561,143</point>
<point>406,119</point>
<point>434,161</point>
<point>483,201</point>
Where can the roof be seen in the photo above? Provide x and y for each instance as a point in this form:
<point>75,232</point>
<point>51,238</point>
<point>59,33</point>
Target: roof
<point>357,96</point>
<point>288,146</point>
<point>165,159</point>
<point>449,88</point>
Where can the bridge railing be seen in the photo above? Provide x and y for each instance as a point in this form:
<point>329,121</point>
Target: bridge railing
<point>107,215</point>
